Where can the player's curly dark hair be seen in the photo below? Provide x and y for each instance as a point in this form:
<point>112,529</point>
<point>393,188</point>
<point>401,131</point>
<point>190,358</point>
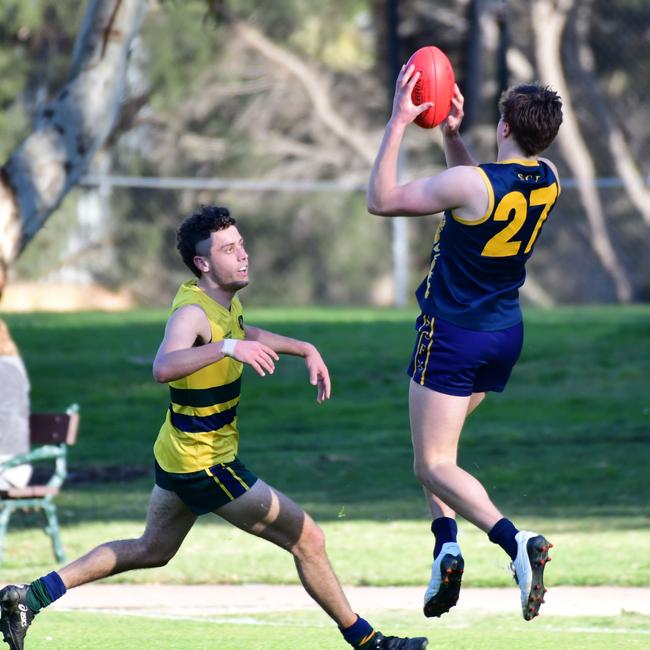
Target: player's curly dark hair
<point>534,114</point>
<point>197,228</point>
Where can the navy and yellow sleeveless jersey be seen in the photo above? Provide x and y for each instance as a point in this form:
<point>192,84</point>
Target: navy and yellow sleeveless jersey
<point>478,266</point>
<point>200,429</point>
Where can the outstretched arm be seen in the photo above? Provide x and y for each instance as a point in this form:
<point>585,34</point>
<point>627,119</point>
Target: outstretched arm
<point>384,197</point>
<point>455,151</point>
<point>318,373</point>
<point>187,347</point>
<point>450,189</point>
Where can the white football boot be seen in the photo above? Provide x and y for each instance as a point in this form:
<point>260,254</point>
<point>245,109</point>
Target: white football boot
<point>446,575</point>
<point>528,570</point>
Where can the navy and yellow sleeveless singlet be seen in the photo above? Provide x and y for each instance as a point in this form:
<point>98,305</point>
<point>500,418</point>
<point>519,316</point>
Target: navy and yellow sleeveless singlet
<point>200,429</point>
<point>478,266</point>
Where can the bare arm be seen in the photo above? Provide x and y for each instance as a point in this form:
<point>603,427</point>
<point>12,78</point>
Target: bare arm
<point>178,354</point>
<point>457,188</point>
<point>383,186</point>
<point>187,347</point>
<point>383,177</point>
<point>456,152</point>
<point>318,372</point>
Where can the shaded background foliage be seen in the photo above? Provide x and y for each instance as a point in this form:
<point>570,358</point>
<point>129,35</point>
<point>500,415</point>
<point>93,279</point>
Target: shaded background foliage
<point>207,101</point>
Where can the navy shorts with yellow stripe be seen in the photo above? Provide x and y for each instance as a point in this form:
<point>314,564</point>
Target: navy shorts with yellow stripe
<point>208,489</point>
<point>457,361</point>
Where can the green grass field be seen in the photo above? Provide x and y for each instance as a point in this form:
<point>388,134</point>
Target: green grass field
<point>313,630</point>
<point>564,450</point>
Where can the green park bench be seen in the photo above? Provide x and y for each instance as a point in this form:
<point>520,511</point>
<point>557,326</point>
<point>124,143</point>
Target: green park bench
<point>50,436</point>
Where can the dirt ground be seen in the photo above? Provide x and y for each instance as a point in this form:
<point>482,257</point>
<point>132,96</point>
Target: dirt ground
<point>203,600</point>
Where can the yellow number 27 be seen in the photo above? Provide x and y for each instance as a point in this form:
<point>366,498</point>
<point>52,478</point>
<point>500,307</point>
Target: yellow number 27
<point>504,244</point>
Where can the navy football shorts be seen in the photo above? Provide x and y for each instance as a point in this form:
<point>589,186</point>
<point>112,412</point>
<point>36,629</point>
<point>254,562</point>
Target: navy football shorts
<point>458,361</point>
<point>208,489</point>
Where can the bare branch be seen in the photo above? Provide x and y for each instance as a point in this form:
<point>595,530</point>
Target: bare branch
<point>623,158</point>
<point>548,20</point>
<point>313,85</point>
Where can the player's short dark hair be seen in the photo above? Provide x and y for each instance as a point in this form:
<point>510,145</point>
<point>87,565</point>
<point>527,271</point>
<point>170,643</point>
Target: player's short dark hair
<point>197,228</point>
<point>534,114</point>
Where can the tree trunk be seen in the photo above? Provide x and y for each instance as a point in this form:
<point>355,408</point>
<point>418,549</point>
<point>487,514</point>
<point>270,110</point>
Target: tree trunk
<point>623,158</point>
<point>70,128</point>
<point>548,20</point>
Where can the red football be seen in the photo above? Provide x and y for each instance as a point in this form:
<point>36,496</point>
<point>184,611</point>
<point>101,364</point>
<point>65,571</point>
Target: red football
<point>436,84</point>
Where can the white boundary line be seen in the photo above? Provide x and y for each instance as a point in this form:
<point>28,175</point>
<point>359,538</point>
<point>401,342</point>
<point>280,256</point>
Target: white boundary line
<point>248,620</point>
<point>225,620</point>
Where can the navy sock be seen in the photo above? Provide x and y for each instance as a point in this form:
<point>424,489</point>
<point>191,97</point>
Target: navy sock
<point>445,530</point>
<point>503,533</point>
<point>44,591</point>
<point>358,633</point>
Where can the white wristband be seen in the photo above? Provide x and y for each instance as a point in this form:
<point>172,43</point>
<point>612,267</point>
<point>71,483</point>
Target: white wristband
<point>228,347</point>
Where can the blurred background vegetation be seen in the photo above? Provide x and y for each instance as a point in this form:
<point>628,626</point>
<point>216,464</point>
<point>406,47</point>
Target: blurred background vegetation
<point>281,106</point>
<point>298,91</point>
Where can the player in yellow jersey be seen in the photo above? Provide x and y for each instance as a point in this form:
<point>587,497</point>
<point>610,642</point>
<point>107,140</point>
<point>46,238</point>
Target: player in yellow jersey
<point>205,347</point>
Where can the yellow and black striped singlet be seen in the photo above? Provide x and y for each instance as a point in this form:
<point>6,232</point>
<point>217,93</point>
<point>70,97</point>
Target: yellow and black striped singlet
<point>200,429</point>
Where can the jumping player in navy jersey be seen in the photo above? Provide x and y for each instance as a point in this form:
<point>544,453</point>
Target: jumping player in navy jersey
<point>470,333</point>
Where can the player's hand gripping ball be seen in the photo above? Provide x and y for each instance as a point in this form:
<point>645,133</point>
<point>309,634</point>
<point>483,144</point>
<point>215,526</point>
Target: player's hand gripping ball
<point>436,84</point>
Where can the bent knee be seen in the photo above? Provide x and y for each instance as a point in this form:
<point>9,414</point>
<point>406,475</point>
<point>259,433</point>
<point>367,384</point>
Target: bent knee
<point>154,555</point>
<point>311,540</point>
<point>428,472</point>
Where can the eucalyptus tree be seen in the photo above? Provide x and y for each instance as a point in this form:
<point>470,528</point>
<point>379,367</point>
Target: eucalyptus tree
<point>70,127</point>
